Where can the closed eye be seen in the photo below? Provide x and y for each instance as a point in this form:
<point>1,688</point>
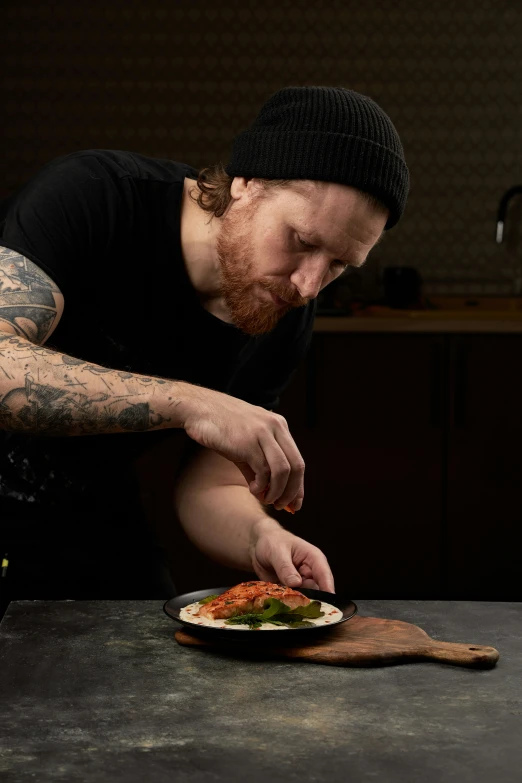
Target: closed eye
<point>336,264</point>
<point>303,242</point>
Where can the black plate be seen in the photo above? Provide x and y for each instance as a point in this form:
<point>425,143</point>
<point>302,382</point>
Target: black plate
<point>172,609</point>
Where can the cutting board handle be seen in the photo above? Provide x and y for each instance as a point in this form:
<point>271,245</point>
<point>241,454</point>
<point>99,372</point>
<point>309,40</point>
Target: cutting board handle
<point>463,654</point>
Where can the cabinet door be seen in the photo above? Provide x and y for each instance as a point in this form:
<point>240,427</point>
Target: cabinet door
<point>485,468</point>
<point>367,414</point>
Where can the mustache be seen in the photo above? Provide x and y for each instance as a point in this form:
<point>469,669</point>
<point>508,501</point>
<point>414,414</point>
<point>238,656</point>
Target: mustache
<point>289,295</point>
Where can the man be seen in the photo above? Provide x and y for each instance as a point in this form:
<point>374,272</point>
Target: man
<point>139,297</point>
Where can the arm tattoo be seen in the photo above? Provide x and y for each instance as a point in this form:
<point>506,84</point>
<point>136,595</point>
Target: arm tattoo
<point>53,394</point>
<point>26,296</point>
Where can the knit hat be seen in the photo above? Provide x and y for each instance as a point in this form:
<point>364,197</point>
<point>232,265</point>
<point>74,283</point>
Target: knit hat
<point>325,133</point>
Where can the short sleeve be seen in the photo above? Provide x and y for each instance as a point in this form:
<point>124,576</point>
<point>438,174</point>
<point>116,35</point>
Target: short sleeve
<point>61,216</point>
<point>270,366</point>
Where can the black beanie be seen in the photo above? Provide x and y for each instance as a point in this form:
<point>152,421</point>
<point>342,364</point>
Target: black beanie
<point>325,133</point>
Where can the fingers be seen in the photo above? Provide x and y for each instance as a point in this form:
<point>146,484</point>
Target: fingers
<point>318,575</point>
<point>293,493</point>
<point>279,467</point>
<point>266,575</point>
<point>256,473</point>
<point>310,584</point>
<point>272,560</point>
<point>307,575</point>
<point>321,572</point>
<point>305,571</point>
<point>261,497</point>
<point>256,440</point>
<point>315,574</point>
<point>282,563</point>
<point>286,467</point>
<point>313,566</point>
<point>288,575</point>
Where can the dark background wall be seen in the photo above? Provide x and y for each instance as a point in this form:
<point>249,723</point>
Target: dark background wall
<point>180,79</point>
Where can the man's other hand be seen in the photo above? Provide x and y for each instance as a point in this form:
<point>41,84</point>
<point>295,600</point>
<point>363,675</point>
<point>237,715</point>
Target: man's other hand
<point>279,556</point>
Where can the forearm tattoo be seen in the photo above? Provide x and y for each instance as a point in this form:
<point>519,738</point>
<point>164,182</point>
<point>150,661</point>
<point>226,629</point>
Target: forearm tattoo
<point>45,392</point>
<point>26,296</point>
<point>62,395</point>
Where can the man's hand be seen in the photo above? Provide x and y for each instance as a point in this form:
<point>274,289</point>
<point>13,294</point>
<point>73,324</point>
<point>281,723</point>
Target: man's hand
<point>256,440</point>
<point>279,556</point>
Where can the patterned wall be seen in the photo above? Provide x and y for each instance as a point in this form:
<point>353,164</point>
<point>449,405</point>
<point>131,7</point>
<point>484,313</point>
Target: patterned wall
<point>181,78</point>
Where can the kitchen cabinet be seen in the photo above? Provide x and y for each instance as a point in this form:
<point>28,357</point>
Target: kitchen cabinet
<point>413,447</point>
<point>366,413</point>
<point>484,477</point>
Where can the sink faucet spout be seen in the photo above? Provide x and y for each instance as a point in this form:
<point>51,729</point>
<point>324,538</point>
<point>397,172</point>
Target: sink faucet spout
<point>502,209</point>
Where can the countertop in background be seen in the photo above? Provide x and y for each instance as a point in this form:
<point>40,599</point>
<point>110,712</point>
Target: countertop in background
<point>422,321</point>
<point>445,314</point>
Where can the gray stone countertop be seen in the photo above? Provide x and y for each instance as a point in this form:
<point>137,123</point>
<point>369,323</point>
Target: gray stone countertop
<point>100,691</point>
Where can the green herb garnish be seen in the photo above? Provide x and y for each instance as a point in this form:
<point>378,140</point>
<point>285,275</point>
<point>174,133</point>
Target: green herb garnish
<point>252,620</point>
<point>208,599</point>
<point>278,613</point>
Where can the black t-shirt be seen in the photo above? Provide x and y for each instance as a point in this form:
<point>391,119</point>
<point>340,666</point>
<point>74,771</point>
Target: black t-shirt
<point>105,226</point>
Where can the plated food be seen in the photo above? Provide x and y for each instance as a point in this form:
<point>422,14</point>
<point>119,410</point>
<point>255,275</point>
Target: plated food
<point>260,606</point>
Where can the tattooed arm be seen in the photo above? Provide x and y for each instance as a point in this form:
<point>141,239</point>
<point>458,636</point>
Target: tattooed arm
<point>45,392</point>
<point>30,303</point>
<point>48,393</point>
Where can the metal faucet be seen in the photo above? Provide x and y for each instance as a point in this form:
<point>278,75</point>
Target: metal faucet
<point>502,209</point>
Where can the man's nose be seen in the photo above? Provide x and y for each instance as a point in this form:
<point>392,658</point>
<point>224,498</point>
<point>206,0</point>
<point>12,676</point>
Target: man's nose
<point>308,279</point>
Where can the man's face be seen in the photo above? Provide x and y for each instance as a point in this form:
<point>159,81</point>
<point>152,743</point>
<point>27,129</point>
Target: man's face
<point>279,248</point>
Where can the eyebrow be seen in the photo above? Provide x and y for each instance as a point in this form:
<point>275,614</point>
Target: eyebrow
<point>317,237</point>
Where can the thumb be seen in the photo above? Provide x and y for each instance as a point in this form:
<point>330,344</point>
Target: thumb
<point>288,575</point>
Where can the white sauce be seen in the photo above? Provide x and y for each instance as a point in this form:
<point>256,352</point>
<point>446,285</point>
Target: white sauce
<point>190,614</point>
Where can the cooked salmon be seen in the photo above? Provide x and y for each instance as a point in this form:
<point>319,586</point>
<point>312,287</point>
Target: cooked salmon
<point>250,597</point>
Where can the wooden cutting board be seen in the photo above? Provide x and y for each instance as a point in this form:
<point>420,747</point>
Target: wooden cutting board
<point>361,641</point>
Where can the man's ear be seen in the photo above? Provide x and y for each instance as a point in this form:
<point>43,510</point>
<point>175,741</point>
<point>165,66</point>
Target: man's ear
<point>245,187</point>
<point>239,187</point>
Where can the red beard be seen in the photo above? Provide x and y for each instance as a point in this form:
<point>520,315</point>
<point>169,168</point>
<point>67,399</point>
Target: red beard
<point>249,312</point>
